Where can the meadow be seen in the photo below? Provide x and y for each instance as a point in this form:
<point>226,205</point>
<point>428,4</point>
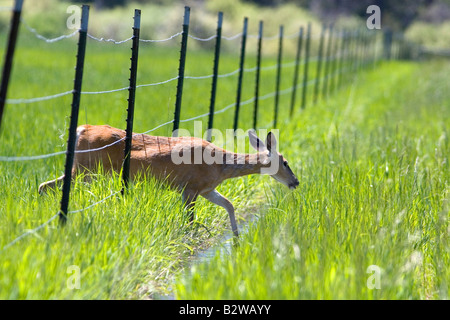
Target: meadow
<point>372,161</point>
<point>374,195</point>
<point>137,256</point>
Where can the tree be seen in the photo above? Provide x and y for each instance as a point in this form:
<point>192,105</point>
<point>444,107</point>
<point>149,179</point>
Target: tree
<point>103,4</point>
<point>396,14</point>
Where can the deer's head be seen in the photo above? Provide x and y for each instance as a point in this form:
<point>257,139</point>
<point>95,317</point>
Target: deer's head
<point>273,162</point>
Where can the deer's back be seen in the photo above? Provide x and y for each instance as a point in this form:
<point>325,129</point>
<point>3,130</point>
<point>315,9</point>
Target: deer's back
<point>149,155</point>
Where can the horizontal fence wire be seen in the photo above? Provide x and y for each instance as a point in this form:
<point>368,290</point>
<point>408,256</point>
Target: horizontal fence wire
<point>30,232</point>
<point>54,96</point>
<point>30,158</point>
<point>48,40</point>
<point>33,231</point>
<point>236,36</point>
<point>94,204</point>
<point>163,40</point>
<point>33,100</point>
<point>110,40</point>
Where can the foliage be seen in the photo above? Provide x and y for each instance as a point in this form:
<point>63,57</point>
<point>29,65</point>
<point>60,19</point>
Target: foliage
<point>431,36</point>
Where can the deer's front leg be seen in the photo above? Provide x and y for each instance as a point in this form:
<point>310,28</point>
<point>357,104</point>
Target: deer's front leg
<point>216,198</point>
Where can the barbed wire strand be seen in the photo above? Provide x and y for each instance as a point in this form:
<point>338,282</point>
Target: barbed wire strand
<point>48,40</point>
<point>32,100</point>
<point>162,40</point>
<point>29,232</point>
<point>33,231</point>
<point>109,40</point>
<point>101,39</point>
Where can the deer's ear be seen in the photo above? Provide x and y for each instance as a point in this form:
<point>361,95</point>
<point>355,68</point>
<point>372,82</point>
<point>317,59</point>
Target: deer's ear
<point>256,142</point>
<point>271,142</point>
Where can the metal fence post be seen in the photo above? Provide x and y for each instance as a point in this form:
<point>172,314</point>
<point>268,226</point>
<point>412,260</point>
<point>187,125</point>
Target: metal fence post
<point>258,73</point>
<point>319,65</point>
<point>70,153</point>
<point>277,90</point>
<point>327,62</point>
<point>184,39</point>
<point>241,74</point>
<point>215,74</point>
<point>296,71</point>
<point>131,99</point>
<point>359,50</point>
<point>354,50</point>
<point>334,63</point>
<point>343,52</point>
<point>9,55</point>
<point>305,70</point>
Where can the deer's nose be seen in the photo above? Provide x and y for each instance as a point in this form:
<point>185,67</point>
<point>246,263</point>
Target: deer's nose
<point>294,185</point>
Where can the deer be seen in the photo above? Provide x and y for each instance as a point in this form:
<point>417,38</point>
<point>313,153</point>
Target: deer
<point>173,161</point>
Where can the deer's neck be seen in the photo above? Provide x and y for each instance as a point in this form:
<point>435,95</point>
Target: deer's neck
<point>239,164</point>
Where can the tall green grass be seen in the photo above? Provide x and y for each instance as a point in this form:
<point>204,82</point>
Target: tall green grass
<point>374,190</point>
<point>124,247</point>
<point>133,246</point>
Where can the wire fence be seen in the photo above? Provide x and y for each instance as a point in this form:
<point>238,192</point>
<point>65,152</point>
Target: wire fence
<point>353,50</point>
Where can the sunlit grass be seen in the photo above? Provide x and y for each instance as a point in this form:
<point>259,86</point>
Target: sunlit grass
<point>373,169</point>
<point>125,247</point>
<point>374,190</point>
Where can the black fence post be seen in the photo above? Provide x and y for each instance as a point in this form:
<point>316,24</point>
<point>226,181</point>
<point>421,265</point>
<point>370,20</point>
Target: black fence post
<point>184,39</point>
<point>241,74</point>
<point>131,99</point>
<point>70,153</point>
<point>306,67</point>
<point>326,79</point>
<point>258,73</point>
<point>277,90</point>
<point>359,51</point>
<point>343,52</point>
<point>215,74</point>
<point>334,63</point>
<point>354,61</point>
<point>9,55</point>
<point>319,65</point>
<point>296,71</point>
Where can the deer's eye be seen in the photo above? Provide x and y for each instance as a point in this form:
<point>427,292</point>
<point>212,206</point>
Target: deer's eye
<point>285,163</point>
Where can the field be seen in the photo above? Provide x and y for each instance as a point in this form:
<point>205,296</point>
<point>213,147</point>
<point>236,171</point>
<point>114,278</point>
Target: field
<point>373,170</point>
<point>372,161</point>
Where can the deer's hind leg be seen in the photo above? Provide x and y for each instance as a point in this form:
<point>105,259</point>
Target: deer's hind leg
<point>45,186</point>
